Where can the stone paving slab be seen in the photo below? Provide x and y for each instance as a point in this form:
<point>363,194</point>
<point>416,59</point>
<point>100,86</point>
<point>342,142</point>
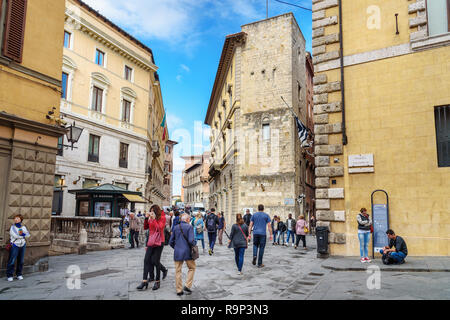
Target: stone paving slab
<point>412,264</point>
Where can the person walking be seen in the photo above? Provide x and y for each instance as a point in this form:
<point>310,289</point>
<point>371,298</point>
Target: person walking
<point>182,240</point>
<point>300,231</point>
<point>290,224</point>
<point>364,229</point>
<point>167,228</point>
<point>312,225</point>
<point>247,217</point>
<point>260,220</point>
<point>199,225</point>
<point>221,227</point>
<point>155,222</point>
<point>274,225</point>
<point>238,240</point>
<point>135,226</point>
<point>175,219</point>
<point>281,232</point>
<point>17,235</point>
<point>211,224</point>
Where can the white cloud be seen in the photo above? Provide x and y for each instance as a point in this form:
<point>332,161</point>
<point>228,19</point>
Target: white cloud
<point>185,68</point>
<point>175,20</point>
<point>173,121</point>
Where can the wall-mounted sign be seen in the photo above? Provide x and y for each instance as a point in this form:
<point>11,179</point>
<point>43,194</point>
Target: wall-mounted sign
<point>360,160</point>
<point>289,202</point>
<point>360,163</point>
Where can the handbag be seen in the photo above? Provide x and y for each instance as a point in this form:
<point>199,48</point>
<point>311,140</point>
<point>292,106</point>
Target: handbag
<point>371,228</point>
<point>194,249</point>
<point>305,229</point>
<point>154,239</point>
<point>8,246</point>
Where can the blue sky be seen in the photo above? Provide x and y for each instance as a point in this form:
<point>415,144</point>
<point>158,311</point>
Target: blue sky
<point>187,37</point>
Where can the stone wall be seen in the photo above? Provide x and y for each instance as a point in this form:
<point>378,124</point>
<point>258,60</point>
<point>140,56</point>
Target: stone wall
<point>328,127</point>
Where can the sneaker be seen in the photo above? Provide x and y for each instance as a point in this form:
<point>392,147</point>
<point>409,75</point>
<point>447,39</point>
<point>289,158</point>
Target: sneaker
<point>254,261</point>
<point>210,252</point>
<point>19,277</point>
<point>261,266</point>
<point>363,260</point>
<point>10,279</point>
<point>292,244</point>
<point>180,293</point>
<point>304,248</point>
<point>165,274</point>
<point>367,259</point>
<point>295,247</point>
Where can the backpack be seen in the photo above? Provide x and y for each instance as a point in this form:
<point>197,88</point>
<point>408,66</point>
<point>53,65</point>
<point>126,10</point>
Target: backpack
<point>387,259</point>
<point>282,226</point>
<point>199,228</point>
<point>211,223</point>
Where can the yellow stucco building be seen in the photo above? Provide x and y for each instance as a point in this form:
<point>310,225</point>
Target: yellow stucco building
<point>30,90</point>
<point>382,120</point>
<point>110,88</point>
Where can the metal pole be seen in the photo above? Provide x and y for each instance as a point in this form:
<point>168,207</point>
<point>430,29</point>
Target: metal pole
<point>267,9</point>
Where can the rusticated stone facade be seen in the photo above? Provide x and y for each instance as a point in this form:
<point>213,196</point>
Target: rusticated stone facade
<point>328,127</point>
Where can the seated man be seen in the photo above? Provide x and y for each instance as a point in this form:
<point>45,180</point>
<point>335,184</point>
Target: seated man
<point>397,255</point>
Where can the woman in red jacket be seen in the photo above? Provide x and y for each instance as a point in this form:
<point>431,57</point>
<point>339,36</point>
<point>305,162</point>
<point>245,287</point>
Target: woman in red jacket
<point>154,222</point>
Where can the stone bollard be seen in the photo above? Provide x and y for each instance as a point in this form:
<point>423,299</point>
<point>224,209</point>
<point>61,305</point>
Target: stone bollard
<point>82,245</point>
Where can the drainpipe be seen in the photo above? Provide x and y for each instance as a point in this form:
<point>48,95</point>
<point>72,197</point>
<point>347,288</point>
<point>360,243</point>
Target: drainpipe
<point>341,38</point>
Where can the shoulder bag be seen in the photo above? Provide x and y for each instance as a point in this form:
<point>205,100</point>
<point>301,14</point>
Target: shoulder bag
<point>245,237</point>
<point>194,249</point>
<point>154,239</point>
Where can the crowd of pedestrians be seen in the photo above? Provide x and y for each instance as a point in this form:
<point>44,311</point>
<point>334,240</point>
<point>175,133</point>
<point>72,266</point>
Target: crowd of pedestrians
<point>183,231</point>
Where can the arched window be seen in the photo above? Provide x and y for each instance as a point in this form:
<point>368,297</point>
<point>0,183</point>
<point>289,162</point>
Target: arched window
<point>266,129</point>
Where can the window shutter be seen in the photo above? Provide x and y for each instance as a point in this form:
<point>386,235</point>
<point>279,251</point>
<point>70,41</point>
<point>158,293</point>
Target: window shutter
<point>14,29</point>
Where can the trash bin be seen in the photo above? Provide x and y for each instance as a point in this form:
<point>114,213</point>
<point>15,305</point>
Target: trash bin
<point>322,239</point>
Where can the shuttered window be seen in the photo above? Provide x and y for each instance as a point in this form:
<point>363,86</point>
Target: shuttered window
<point>14,29</point>
<point>442,119</point>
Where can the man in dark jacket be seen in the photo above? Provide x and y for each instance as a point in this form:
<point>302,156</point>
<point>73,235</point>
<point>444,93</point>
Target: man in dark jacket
<point>290,224</point>
<point>211,225</point>
<point>247,217</point>
<point>181,240</point>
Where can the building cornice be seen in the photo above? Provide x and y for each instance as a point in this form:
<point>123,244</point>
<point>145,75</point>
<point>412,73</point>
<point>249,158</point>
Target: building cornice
<point>231,41</point>
<point>109,42</point>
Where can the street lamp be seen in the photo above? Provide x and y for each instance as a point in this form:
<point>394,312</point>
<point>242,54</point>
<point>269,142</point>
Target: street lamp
<point>73,134</point>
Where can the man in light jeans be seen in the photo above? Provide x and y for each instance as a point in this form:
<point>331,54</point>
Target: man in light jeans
<point>290,224</point>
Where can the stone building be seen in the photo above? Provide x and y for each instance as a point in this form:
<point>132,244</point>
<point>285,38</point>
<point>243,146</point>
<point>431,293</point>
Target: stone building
<point>381,97</point>
<point>30,90</point>
<point>255,148</point>
<point>106,91</point>
<point>308,153</point>
<point>168,173</point>
<point>195,180</point>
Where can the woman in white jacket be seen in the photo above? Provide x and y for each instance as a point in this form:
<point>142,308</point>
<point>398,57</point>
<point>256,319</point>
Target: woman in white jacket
<point>18,233</point>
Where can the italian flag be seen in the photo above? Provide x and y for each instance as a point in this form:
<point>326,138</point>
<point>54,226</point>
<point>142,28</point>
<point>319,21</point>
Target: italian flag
<point>163,124</point>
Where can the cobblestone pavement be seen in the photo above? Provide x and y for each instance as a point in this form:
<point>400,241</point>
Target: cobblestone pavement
<point>288,274</point>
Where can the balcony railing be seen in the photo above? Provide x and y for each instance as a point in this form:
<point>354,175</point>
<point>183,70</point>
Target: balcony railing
<point>123,163</point>
<point>93,157</point>
<point>103,233</point>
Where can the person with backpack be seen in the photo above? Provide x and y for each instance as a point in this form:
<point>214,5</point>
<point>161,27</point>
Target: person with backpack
<point>221,227</point>
<point>290,224</point>
<point>175,219</point>
<point>364,230</point>
<point>211,224</point>
<point>199,225</point>
<point>260,221</point>
<point>182,240</point>
<point>238,241</point>
<point>17,245</point>
<point>281,232</point>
